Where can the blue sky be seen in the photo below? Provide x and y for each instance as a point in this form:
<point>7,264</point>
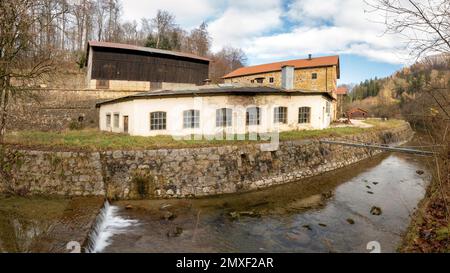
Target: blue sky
<point>275,30</point>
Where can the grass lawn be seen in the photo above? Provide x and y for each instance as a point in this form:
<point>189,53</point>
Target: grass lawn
<point>93,139</point>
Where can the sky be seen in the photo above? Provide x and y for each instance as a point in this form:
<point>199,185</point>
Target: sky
<point>276,30</point>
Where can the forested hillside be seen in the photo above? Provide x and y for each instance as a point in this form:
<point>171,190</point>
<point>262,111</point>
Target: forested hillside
<point>404,92</point>
<point>59,30</point>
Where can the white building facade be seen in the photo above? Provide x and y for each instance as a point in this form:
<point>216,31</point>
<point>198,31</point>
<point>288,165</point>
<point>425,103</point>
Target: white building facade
<point>216,111</point>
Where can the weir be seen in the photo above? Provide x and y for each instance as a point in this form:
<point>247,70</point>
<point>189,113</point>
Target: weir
<point>107,224</point>
<point>380,147</point>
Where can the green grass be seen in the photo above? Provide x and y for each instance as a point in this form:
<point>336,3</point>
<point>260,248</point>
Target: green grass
<point>92,139</point>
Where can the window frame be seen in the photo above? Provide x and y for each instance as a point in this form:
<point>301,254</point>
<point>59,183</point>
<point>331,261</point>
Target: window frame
<point>191,119</point>
<point>271,80</point>
<point>108,120</point>
<point>116,121</point>
<point>248,117</point>
<point>162,121</point>
<point>304,117</point>
<point>280,116</point>
<point>226,119</point>
<point>314,75</point>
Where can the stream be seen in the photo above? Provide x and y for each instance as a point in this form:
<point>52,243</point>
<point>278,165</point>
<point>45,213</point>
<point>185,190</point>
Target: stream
<point>342,211</point>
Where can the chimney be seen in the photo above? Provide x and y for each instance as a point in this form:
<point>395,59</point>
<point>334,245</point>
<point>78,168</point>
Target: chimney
<point>287,77</point>
<point>309,56</point>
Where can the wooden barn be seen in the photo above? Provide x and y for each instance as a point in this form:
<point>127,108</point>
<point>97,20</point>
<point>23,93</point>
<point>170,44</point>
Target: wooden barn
<point>128,67</point>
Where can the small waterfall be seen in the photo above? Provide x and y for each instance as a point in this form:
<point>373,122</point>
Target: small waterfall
<point>106,225</point>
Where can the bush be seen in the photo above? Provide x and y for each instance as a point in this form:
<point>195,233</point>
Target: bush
<point>75,125</point>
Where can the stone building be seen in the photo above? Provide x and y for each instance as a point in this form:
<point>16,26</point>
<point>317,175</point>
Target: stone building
<point>122,67</point>
<point>311,74</point>
<point>212,110</point>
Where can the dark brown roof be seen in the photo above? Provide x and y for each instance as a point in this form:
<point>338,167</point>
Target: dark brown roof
<point>145,49</point>
<point>300,63</point>
<point>214,91</point>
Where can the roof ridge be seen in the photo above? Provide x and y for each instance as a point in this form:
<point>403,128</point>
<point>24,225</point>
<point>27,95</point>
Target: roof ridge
<point>96,43</point>
<point>276,66</point>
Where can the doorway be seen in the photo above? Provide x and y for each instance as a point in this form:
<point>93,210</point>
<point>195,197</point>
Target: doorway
<point>125,124</point>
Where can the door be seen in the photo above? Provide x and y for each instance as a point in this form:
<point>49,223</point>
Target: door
<point>125,124</point>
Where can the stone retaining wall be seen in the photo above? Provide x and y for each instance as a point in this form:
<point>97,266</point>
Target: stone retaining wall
<point>190,172</point>
<point>58,109</point>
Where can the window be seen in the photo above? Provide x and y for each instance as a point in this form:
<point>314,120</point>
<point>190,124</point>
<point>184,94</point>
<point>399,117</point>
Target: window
<point>314,76</point>
<point>253,116</point>
<point>158,121</point>
<point>116,120</point>
<point>108,120</point>
<point>280,115</point>
<point>328,107</point>
<point>252,81</point>
<point>259,80</point>
<point>223,117</point>
<point>271,79</point>
<point>191,119</point>
<point>304,115</point>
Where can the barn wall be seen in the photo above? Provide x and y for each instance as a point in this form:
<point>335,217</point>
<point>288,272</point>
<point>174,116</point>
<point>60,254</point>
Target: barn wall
<point>114,64</point>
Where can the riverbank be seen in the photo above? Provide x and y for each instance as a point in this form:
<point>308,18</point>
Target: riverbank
<point>184,172</point>
<point>429,230</point>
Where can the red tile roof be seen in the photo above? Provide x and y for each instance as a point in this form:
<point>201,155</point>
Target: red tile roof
<point>342,90</point>
<point>146,49</point>
<point>300,63</point>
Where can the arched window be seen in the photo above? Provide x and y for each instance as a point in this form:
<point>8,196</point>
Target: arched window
<point>253,116</point>
<point>224,117</point>
<point>191,119</point>
<point>280,114</point>
<point>304,115</point>
<point>158,121</point>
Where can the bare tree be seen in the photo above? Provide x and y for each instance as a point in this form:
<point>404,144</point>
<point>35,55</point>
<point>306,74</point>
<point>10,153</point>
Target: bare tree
<point>225,61</point>
<point>424,24</point>
<point>163,23</point>
<point>199,41</point>
<point>24,60</point>
<point>426,27</point>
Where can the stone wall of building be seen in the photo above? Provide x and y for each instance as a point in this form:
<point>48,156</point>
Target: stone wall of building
<point>326,79</point>
<point>190,172</point>
<point>58,109</point>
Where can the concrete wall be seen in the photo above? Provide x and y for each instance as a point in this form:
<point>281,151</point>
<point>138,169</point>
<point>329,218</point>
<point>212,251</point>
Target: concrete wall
<point>138,112</point>
<point>326,79</point>
<point>166,173</point>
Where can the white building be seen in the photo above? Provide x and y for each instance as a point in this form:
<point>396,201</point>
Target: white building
<point>234,110</point>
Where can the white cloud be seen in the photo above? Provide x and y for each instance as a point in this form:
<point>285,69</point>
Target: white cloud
<point>188,13</point>
<point>244,20</point>
<point>267,31</point>
<point>328,27</point>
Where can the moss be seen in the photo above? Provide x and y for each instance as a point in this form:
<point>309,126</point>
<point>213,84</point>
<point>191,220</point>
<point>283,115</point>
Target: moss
<point>144,185</point>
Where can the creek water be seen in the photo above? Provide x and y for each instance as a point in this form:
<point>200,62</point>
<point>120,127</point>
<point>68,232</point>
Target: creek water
<point>327,213</point>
